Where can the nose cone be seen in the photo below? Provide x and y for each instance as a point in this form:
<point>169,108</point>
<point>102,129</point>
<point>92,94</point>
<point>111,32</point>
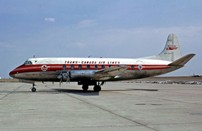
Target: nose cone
<point>12,73</point>
<point>15,72</point>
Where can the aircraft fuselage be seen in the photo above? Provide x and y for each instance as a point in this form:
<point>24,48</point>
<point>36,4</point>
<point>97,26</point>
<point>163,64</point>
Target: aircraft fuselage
<point>39,69</point>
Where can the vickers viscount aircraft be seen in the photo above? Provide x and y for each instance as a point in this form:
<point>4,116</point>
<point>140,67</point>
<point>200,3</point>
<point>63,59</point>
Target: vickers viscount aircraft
<point>96,71</point>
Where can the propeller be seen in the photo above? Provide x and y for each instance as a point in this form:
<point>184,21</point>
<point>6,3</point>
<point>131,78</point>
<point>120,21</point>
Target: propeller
<point>64,75</point>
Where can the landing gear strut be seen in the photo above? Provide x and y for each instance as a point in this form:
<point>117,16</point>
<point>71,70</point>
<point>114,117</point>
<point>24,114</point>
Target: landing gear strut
<point>33,88</point>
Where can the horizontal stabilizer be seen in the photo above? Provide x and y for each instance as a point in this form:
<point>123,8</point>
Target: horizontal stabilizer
<point>182,61</point>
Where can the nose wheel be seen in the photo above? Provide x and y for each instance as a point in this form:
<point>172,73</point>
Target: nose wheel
<point>33,88</point>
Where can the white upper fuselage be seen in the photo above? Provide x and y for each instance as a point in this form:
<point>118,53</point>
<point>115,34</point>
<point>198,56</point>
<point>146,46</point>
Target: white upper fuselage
<point>98,61</point>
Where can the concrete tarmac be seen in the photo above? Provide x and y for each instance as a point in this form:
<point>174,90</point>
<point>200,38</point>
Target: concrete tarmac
<point>120,106</point>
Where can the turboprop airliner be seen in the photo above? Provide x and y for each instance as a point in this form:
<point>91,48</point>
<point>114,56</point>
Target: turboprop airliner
<point>96,71</point>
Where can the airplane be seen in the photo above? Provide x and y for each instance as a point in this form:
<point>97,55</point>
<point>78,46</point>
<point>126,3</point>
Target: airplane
<point>96,71</point>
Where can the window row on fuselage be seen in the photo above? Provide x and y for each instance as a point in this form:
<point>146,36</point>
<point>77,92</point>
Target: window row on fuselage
<point>95,67</point>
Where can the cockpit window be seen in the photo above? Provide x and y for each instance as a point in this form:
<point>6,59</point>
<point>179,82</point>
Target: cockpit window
<point>27,62</point>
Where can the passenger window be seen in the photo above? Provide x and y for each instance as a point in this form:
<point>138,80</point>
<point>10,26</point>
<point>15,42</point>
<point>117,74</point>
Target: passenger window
<point>96,67</point>
<point>72,67</point>
<point>88,67</point>
<point>132,67</point>
<point>80,67</point>
<point>103,66</point>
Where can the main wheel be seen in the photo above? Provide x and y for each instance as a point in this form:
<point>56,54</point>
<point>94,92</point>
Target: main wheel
<point>85,87</point>
<point>33,89</point>
<point>97,88</point>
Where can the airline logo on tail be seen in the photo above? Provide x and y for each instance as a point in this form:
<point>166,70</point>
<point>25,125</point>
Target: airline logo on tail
<point>171,47</point>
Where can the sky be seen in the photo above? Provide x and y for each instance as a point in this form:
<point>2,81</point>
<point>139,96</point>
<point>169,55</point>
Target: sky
<point>98,28</point>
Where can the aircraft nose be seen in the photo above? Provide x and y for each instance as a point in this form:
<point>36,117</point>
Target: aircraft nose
<point>12,73</point>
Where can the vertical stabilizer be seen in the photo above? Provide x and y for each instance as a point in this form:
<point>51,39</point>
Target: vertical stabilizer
<point>171,51</point>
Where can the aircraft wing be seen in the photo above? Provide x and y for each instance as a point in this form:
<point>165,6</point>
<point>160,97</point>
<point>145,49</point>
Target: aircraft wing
<point>109,73</point>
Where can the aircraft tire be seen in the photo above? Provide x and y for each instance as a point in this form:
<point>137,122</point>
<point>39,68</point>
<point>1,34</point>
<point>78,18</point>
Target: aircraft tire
<point>33,89</point>
<point>97,88</point>
<point>85,88</point>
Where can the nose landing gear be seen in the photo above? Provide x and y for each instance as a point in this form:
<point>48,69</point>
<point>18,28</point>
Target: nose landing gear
<point>33,88</point>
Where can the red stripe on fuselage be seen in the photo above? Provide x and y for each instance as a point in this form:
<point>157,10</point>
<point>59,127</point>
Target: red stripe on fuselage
<point>59,67</point>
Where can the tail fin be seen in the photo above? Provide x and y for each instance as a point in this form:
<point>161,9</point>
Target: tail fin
<point>171,51</point>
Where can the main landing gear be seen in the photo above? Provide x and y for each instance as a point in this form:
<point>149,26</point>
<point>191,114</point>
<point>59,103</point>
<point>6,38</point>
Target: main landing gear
<point>33,87</point>
<point>85,87</point>
<point>96,88</point>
